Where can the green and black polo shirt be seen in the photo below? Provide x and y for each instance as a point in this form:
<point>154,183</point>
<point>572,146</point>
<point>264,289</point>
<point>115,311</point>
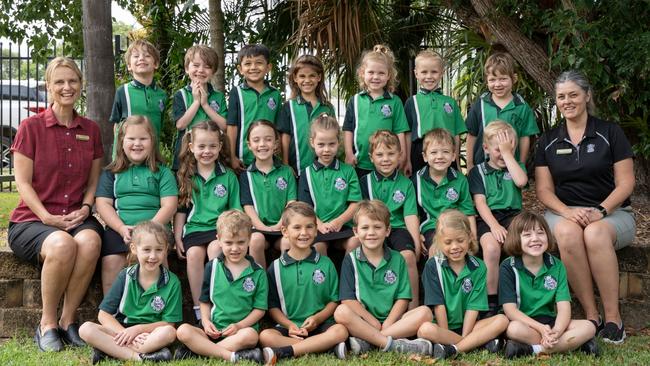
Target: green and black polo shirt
<point>269,192</point>
<point>183,99</point>
<point>396,191</point>
<point>500,191</point>
<point>429,109</point>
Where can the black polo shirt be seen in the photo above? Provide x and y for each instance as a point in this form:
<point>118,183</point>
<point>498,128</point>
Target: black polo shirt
<point>583,174</point>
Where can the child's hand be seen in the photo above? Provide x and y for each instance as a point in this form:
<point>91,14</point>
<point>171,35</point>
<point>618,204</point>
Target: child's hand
<point>125,233</point>
<point>196,91</point>
<point>204,97</point>
<point>180,249</point>
<point>323,227</point>
<point>351,159</point>
<point>506,143</point>
<point>209,329</point>
<point>230,330</point>
<point>275,227</point>
<point>309,324</point>
<point>126,336</point>
<point>139,341</point>
<point>408,168</point>
<point>295,332</point>
<point>236,164</point>
<point>499,233</point>
<point>335,226</point>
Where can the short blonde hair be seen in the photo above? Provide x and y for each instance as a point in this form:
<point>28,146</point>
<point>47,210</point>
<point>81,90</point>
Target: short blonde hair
<point>374,210</point>
<point>384,137</point>
<point>430,54</point>
<point>455,220</point>
<point>438,135</point>
<point>234,222</point>
<point>142,44</point>
<point>207,54</point>
<point>382,54</point>
<point>500,62</point>
<point>493,128</point>
<point>297,208</point>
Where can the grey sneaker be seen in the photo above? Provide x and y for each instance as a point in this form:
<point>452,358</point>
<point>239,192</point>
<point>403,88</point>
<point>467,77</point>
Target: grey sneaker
<point>340,351</point>
<point>418,346</point>
<point>442,351</point>
<point>358,346</point>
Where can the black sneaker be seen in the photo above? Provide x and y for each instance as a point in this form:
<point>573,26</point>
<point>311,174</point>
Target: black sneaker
<point>611,333</point>
<point>516,349</point>
<point>98,356</point>
<point>590,347</point>
<point>494,346</point>
<point>182,353</point>
<point>251,354</point>
<point>598,324</point>
<point>270,358</point>
<point>442,351</point>
<point>163,354</point>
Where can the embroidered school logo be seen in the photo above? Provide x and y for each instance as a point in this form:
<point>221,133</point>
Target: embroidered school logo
<point>281,184</point>
<point>161,105</point>
<point>452,195</point>
<point>398,196</point>
<point>220,190</point>
<point>271,104</point>
<point>157,304</point>
<point>507,176</point>
<point>550,283</point>
<point>215,106</point>
<point>386,110</point>
<point>390,277</point>
<point>467,285</point>
<point>340,184</point>
<point>248,285</point>
<point>318,277</point>
<point>447,107</point>
<point>591,148</point>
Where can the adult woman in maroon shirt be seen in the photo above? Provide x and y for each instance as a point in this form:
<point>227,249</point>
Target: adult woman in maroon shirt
<point>58,157</point>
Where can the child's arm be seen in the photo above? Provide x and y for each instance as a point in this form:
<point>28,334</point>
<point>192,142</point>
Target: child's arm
<point>469,321</point>
<point>511,311</point>
<point>457,142</point>
<point>216,117</point>
<point>406,156</point>
<point>498,231</point>
<point>440,315</point>
<point>469,144</point>
<point>399,308</point>
<point>524,148</point>
<point>235,163</point>
<point>315,320</point>
<point>167,210</point>
<point>179,222</point>
<point>286,141</point>
<point>251,319</point>
<point>107,212</point>
<point>294,332</point>
<point>126,336</point>
<point>348,142</point>
<point>413,226</point>
<point>507,148</point>
<point>337,223</point>
<point>472,224</point>
<point>190,112</point>
<point>206,321</point>
<point>255,219</point>
<point>360,310</point>
<point>563,317</point>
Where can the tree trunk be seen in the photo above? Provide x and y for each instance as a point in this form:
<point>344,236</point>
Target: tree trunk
<point>217,41</point>
<point>99,67</point>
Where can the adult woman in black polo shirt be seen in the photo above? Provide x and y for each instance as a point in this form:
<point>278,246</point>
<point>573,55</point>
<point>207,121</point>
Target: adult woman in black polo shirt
<point>584,176</point>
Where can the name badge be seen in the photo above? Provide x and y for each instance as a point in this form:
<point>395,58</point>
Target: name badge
<point>563,151</point>
<point>83,137</point>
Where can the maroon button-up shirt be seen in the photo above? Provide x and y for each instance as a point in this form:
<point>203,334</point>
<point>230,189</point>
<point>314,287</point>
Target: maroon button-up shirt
<point>62,159</point>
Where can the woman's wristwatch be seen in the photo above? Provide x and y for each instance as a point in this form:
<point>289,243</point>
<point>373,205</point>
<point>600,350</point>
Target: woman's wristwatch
<point>90,207</point>
<point>602,210</point>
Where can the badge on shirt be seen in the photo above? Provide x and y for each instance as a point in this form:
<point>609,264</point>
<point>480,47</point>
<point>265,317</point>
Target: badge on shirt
<point>281,184</point>
<point>452,195</point>
<point>340,184</point>
<point>386,110</point>
<point>82,137</point>
<point>563,151</point>
<point>248,285</point>
<point>220,190</point>
<point>271,104</point>
<point>390,277</point>
<point>161,105</point>
<point>215,106</point>
<point>318,277</point>
<point>467,285</point>
<point>398,196</point>
<point>507,176</point>
<point>550,283</point>
<point>448,108</point>
<point>157,304</point>
<point>591,148</point>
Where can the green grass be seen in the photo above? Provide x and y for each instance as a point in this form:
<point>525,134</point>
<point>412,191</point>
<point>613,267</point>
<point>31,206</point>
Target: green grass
<point>8,201</point>
<point>635,351</point>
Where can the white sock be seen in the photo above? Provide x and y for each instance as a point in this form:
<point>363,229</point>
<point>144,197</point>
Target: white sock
<point>233,357</point>
<point>388,344</point>
<point>197,312</point>
<point>537,348</point>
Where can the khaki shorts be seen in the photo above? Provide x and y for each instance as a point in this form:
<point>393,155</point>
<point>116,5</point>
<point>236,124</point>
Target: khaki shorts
<point>622,219</point>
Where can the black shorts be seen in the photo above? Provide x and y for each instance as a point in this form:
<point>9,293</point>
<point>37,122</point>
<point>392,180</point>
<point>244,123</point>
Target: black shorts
<point>504,217</point>
<point>113,243</point>
<point>417,161</point>
<point>401,239</point>
<point>546,320</point>
<point>321,328</point>
<point>344,233</point>
<point>26,238</point>
<point>362,172</point>
<point>199,238</point>
<point>428,237</point>
<point>270,236</point>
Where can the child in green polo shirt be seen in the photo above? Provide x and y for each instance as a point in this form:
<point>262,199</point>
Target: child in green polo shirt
<point>207,187</point>
<point>308,100</point>
<point>252,100</point>
<point>454,288</point>
<point>303,294</point>
<point>429,108</point>
<point>140,96</point>
<point>198,101</point>
<point>135,187</point>
<point>388,185</point>
<point>534,293</point>
<point>266,187</point>
<point>331,187</point>
<point>499,103</point>
<point>233,299</point>
<point>496,186</point>
<point>375,290</point>
<point>439,186</point>
<point>137,316</point>
<point>374,108</point>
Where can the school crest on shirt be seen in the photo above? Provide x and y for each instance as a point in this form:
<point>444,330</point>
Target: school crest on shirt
<point>318,277</point>
<point>220,190</point>
<point>157,304</point>
<point>271,104</point>
<point>386,110</point>
<point>507,176</point>
<point>161,105</point>
<point>281,184</point>
<point>215,106</point>
<point>591,148</point>
<point>340,184</point>
<point>248,285</point>
<point>467,285</point>
<point>452,195</point>
<point>448,108</point>
<point>550,283</point>
<point>398,196</point>
<point>390,277</point>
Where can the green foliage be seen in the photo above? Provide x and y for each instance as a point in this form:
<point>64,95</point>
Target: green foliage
<point>8,201</point>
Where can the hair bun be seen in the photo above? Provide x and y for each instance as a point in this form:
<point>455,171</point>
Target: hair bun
<point>380,48</point>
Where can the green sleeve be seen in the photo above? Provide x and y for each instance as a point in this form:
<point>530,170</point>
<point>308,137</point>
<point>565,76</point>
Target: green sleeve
<point>410,204</point>
<point>292,186</point>
<point>167,182</point>
<point>529,123</point>
<point>404,285</point>
<point>562,292</point>
<point>333,281</point>
<point>223,107</point>
<point>465,202</point>
<point>234,201</point>
<point>354,192</point>
<point>400,124</point>
<point>173,312</point>
<point>478,297</point>
<point>261,291</point>
<point>459,123</point>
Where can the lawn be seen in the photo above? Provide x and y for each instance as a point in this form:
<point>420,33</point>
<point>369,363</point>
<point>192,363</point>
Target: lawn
<point>8,201</point>
<point>635,351</point>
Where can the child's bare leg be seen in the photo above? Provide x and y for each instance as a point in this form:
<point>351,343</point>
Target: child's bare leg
<point>243,339</point>
<point>321,247</point>
<point>101,338</point>
<point>436,334</point>
<point>283,244</point>
<point>196,340</point>
<point>358,327</point>
<point>521,332</point>
<point>195,264</point>
<point>484,331</point>
<point>491,255</point>
<point>410,322</point>
<point>157,339</point>
<point>111,266</point>
<point>321,342</point>
<point>257,248</point>
<point>577,333</point>
<point>214,250</point>
<point>273,338</point>
<point>412,267</point>
<point>351,244</point>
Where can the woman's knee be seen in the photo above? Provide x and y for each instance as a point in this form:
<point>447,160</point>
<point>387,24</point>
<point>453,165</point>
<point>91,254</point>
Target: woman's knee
<point>59,246</point>
<point>89,244</point>
<point>599,234</point>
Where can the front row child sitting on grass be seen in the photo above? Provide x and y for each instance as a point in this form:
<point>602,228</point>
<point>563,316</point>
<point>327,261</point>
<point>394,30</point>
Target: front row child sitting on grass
<point>137,315</point>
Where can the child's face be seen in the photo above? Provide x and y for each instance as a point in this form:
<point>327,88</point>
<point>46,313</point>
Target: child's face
<point>491,149</point>
<point>301,231</point>
<point>234,245</point>
<point>439,156</point>
<point>500,85</point>
<point>375,76</point>
<point>385,159</point>
<point>371,233</point>
<point>428,72</point>
<point>137,143</point>
<point>254,68</point>
<point>454,244</point>
<point>307,80</point>
<point>141,62</point>
<point>205,146</point>
<point>534,242</point>
<point>149,251</point>
<point>198,70</point>
<point>325,145</point>
<point>261,142</point>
